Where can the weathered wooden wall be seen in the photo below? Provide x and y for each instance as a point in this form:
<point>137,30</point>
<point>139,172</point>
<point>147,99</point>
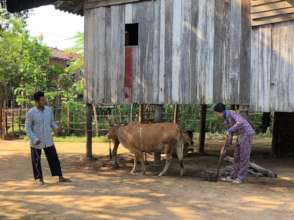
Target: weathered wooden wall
<point>272,68</point>
<point>190,51</point>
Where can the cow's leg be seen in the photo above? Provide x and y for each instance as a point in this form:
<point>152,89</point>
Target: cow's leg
<point>141,158</point>
<point>180,154</point>
<point>135,165</point>
<point>114,154</point>
<point>168,160</point>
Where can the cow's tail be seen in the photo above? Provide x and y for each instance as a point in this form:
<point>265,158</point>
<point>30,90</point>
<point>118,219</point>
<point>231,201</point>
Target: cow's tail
<point>180,149</point>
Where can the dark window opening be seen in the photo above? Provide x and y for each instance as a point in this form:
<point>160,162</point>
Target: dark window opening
<point>131,34</point>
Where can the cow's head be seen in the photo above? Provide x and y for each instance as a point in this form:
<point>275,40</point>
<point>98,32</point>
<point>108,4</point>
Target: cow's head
<point>112,133</point>
<point>188,138</point>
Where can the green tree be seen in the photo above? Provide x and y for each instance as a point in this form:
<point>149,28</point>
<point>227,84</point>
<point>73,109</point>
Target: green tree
<point>24,66</point>
<point>74,72</point>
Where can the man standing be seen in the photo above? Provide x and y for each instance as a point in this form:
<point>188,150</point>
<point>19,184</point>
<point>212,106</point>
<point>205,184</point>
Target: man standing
<point>39,124</point>
<point>236,124</point>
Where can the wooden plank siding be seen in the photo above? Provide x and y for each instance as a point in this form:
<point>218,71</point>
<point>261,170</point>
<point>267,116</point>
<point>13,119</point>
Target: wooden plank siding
<point>271,11</point>
<point>189,52</point>
<point>272,68</point>
<point>272,56</point>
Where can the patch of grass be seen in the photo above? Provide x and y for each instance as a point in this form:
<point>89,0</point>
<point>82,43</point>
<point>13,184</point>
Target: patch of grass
<point>78,139</point>
<point>101,139</point>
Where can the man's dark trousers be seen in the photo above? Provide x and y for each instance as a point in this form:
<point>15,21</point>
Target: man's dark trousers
<point>52,159</point>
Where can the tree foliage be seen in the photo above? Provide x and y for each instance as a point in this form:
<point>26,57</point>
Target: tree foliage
<point>75,69</point>
<point>23,59</point>
<point>24,64</point>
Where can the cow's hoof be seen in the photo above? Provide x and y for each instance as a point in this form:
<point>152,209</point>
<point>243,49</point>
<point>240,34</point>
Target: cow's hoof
<point>142,174</point>
<point>161,174</point>
<point>115,166</point>
<point>182,173</point>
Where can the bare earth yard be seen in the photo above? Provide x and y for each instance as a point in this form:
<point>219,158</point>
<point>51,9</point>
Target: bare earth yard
<point>100,192</point>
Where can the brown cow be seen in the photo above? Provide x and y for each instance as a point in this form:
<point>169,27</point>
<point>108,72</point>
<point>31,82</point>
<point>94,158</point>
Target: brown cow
<point>112,134</point>
<point>149,138</point>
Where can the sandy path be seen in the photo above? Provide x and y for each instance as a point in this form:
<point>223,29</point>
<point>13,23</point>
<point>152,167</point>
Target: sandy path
<point>98,192</point>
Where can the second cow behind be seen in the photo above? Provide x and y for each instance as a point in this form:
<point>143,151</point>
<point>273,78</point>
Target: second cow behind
<point>139,138</point>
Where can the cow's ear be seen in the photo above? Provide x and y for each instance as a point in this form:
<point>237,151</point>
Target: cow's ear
<point>114,122</point>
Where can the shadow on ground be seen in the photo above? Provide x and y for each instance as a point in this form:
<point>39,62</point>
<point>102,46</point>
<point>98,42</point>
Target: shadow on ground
<point>100,192</point>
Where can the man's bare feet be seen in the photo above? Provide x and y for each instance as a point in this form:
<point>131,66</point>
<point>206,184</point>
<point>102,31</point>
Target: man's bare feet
<point>40,182</point>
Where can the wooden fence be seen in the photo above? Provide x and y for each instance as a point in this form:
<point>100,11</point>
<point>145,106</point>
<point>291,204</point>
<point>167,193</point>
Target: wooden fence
<point>12,121</point>
<point>72,118</point>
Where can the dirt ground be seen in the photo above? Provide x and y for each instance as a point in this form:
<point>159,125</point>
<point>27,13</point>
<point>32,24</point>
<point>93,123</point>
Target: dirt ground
<point>100,192</point>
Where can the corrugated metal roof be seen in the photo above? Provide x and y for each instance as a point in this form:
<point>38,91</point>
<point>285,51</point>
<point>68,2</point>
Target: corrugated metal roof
<point>20,5</point>
<point>72,6</point>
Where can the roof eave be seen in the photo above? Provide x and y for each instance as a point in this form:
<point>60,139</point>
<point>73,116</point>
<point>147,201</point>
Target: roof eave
<point>71,6</point>
<point>20,5</point>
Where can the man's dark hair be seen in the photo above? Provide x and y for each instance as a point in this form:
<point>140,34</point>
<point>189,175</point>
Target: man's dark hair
<point>38,95</point>
<point>220,107</point>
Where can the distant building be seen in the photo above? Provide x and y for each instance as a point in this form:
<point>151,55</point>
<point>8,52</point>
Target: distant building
<point>62,58</point>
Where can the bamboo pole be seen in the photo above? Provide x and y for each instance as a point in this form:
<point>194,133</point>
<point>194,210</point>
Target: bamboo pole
<point>96,120</point>
<point>19,119</point>
<point>1,119</point>
<point>12,120</point>
<point>119,112</point>
<point>131,113</point>
<point>176,114</point>
<point>68,119</point>
<point>6,123</point>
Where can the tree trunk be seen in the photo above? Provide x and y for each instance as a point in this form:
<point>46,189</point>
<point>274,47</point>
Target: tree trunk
<point>256,168</point>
